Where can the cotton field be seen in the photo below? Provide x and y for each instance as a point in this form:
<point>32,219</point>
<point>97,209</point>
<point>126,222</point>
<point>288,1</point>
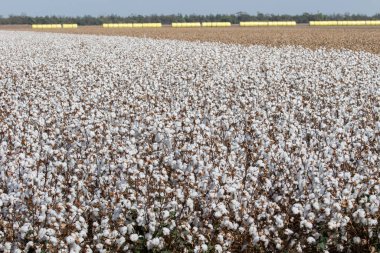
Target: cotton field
<point>118,144</point>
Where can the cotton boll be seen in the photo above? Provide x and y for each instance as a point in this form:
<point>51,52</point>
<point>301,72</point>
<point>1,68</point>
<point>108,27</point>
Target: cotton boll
<point>130,229</point>
<point>311,240</point>
<point>166,231</point>
<point>190,204</point>
<point>356,240</point>
<point>279,222</point>
<point>120,241</point>
<point>332,224</point>
<point>218,214</point>
<point>88,249</point>
<point>70,240</point>
<point>296,209</point>
<point>372,222</point>
<point>53,240</point>
<point>133,237</point>
<point>7,246</point>
<point>288,232</point>
<point>153,243</point>
<point>218,248</point>
<point>123,230</point>
<point>306,224</point>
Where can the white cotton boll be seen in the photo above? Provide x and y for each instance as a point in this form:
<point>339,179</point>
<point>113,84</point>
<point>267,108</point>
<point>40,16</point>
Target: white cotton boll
<point>140,220</point>
<point>279,221</point>
<point>120,241</point>
<point>332,224</point>
<point>190,204</point>
<point>25,229</point>
<point>152,227</point>
<point>316,206</point>
<point>256,240</point>
<point>260,163</point>
<point>75,248</point>
<point>41,218</point>
<point>296,209</point>
<point>42,234</point>
<point>172,224</point>
<point>29,245</point>
<point>288,231</point>
<point>374,209</point>
<point>360,213</point>
<point>310,240</point>
<point>130,228</point>
<point>106,233</point>
<point>204,247</point>
<point>148,236</point>
<point>337,206</point>
<point>373,198</point>
<point>299,248</point>
<point>134,237</point>
<point>311,216</point>
<point>220,238</point>
<point>344,221</point>
<point>372,222</point>
<point>123,230</point>
<point>218,214</point>
<point>99,246</point>
<point>70,240</point>
<point>218,248</point>
<point>88,250</point>
<point>165,214</point>
<point>45,136</point>
<point>114,234</point>
<point>306,224</point>
<point>8,246</point>
<point>166,231</point>
<point>346,192</point>
<point>200,237</point>
<point>340,247</point>
<point>155,242</point>
<point>53,240</point>
<point>356,240</point>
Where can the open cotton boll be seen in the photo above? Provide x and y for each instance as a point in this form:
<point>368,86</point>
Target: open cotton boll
<point>70,240</point>
<point>166,231</point>
<point>133,237</point>
<point>311,240</point>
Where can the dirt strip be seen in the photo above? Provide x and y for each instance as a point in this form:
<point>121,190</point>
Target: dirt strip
<point>354,38</point>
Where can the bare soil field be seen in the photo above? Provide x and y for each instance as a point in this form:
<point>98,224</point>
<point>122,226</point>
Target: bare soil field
<point>354,38</point>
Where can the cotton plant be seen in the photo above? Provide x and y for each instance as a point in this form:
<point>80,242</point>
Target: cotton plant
<point>117,144</point>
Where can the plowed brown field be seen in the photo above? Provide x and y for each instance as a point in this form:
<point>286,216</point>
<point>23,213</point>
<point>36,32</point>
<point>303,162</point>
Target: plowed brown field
<point>354,38</point>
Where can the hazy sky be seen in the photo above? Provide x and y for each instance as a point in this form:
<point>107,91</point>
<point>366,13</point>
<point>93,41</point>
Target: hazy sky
<point>144,7</point>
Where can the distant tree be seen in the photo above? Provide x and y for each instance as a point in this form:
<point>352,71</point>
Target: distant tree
<point>168,19</point>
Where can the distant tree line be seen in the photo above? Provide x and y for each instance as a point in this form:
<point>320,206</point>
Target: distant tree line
<point>168,19</point>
